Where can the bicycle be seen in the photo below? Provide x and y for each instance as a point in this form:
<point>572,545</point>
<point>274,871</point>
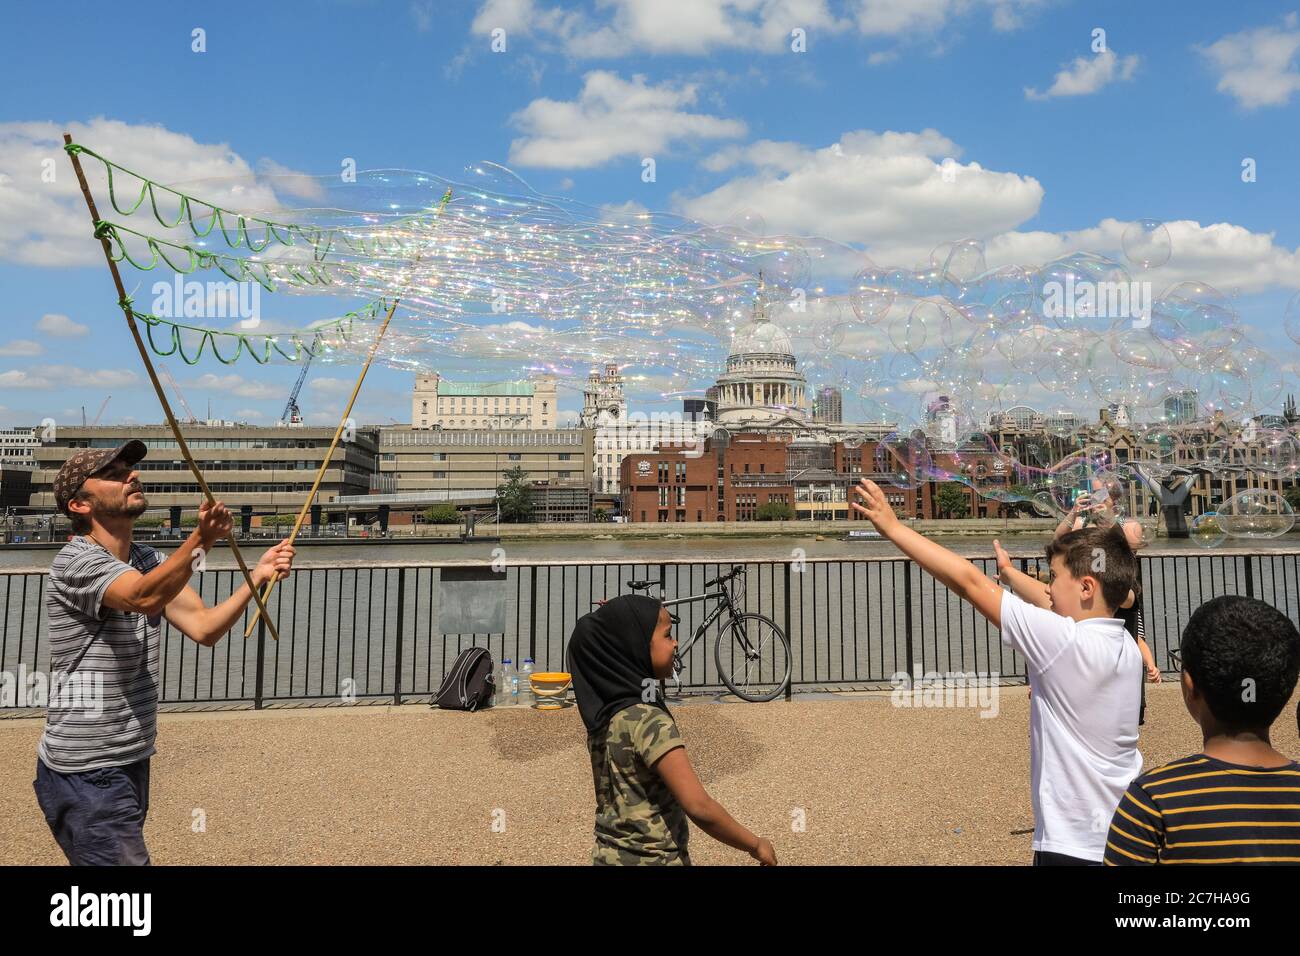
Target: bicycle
<point>746,637</point>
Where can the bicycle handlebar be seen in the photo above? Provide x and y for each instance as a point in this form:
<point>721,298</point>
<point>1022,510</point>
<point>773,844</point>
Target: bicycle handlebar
<point>724,578</point>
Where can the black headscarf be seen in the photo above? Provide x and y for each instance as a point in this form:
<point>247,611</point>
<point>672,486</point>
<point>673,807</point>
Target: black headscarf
<point>609,658</point>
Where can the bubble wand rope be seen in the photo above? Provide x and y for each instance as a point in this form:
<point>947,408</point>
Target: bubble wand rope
<point>338,432</point>
<point>125,302</point>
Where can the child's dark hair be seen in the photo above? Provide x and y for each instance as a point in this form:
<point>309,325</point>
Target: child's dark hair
<point>1233,644</point>
<point>1100,553</point>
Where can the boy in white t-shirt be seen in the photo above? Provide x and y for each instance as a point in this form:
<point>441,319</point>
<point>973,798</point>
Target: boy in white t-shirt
<point>1083,672</point>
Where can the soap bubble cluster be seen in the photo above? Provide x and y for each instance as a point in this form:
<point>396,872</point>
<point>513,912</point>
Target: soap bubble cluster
<point>952,370</point>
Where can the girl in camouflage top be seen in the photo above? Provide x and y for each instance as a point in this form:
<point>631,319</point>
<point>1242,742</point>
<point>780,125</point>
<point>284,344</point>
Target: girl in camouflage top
<point>645,785</point>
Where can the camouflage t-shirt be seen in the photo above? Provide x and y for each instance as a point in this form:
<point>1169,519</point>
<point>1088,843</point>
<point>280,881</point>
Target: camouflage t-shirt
<point>638,820</point>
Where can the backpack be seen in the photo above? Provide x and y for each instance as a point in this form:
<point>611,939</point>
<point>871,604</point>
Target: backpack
<point>469,684</point>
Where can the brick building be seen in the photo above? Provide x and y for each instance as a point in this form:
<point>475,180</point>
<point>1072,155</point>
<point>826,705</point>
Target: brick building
<point>724,482</point>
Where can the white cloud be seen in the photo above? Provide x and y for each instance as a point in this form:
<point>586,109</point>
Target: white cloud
<point>233,384</point>
<point>249,415</point>
<point>1258,67</point>
<point>885,193</point>
<point>332,386</point>
<point>1088,75</point>
<point>1226,256</point>
<point>21,348</point>
<point>612,118</point>
<point>669,27</point>
<point>290,182</point>
<point>897,18</point>
<point>64,376</point>
<point>874,188</point>
<point>61,327</point>
<point>45,223</point>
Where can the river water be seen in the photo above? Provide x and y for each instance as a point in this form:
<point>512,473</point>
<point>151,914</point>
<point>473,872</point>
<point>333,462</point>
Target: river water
<point>776,548</point>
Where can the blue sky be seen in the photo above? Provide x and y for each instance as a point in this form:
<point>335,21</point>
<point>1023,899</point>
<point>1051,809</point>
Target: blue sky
<point>1158,129</point>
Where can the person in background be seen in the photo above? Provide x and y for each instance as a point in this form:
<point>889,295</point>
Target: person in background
<point>1101,508</point>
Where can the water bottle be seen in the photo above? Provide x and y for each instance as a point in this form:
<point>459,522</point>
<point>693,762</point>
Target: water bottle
<point>505,696</point>
<point>526,681</point>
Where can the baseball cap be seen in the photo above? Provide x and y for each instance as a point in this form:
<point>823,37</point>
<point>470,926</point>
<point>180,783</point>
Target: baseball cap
<point>86,461</point>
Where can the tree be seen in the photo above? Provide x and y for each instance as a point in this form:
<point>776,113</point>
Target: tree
<point>600,514</point>
<point>951,501</point>
<point>1292,496</point>
<point>774,511</point>
<point>515,496</point>
<point>441,514</point>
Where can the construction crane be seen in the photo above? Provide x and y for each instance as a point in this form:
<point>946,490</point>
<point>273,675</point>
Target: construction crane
<point>100,415</point>
<point>192,420</point>
<point>292,414</point>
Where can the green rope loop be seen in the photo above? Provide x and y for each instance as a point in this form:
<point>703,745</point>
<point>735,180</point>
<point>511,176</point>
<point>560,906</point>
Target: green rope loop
<point>202,218</point>
<point>260,351</point>
<point>186,260</point>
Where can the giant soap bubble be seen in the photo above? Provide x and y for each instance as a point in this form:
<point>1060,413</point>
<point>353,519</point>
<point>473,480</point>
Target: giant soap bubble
<point>1256,514</point>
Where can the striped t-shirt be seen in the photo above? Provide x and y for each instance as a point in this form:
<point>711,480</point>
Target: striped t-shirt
<point>1202,810</point>
<point>103,712</point>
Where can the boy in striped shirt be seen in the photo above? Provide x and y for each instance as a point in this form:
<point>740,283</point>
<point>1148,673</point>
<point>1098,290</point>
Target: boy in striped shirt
<point>1238,800</point>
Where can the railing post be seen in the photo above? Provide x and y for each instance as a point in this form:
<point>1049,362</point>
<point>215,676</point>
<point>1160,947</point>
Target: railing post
<point>401,626</point>
<point>1250,577</point>
<point>789,687</point>
<point>907,618</point>
<point>532,616</point>
<point>261,655</point>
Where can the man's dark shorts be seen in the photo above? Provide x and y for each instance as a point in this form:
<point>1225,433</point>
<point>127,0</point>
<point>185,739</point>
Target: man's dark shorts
<point>97,816</point>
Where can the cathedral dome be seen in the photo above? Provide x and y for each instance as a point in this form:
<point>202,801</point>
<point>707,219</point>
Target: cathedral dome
<point>760,336</point>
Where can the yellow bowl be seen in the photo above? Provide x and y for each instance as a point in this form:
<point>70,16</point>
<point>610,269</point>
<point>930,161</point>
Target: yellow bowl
<point>551,685</point>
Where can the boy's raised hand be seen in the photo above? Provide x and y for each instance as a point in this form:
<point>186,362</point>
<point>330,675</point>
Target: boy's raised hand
<point>875,505</point>
<point>1004,560</point>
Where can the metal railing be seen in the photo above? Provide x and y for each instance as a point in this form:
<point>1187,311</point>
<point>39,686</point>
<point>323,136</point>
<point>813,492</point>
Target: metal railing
<point>380,631</point>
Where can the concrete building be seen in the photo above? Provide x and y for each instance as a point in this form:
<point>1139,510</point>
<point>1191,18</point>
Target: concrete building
<point>552,503</point>
<point>828,406</point>
<point>1181,406</point>
<point>18,446</point>
<point>699,409</point>
<point>15,485</point>
<point>438,403</point>
<point>419,465</point>
<point>269,468</point>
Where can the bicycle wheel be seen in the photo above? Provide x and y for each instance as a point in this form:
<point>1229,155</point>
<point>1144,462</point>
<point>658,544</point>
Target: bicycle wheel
<point>753,656</point>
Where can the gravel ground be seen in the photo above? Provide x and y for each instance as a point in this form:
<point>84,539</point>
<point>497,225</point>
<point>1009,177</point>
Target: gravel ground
<point>409,785</point>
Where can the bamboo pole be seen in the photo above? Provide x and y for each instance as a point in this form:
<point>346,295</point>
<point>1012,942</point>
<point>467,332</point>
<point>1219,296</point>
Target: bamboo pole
<point>338,432</point>
<point>125,303</point>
